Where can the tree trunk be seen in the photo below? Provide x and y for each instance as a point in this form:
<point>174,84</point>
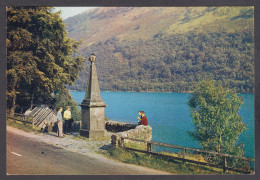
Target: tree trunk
<point>220,140</point>
<point>32,102</point>
<point>13,107</point>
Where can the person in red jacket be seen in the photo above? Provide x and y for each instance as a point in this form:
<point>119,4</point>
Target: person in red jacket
<point>144,120</point>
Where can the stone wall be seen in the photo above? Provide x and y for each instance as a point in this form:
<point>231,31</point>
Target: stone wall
<point>141,132</point>
<point>114,126</point>
<point>111,126</point>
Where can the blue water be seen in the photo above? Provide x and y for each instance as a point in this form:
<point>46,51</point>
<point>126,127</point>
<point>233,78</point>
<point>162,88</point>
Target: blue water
<point>168,114</point>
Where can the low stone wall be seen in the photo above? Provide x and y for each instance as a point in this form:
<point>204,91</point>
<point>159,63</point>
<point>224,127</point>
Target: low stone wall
<point>111,126</point>
<point>114,126</point>
<point>140,132</point>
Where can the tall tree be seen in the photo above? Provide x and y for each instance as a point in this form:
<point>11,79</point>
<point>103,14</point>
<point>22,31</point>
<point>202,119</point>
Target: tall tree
<point>215,114</point>
<point>41,59</point>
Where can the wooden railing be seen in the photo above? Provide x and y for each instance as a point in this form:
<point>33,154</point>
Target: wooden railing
<point>20,117</point>
<point>223,166</point>
<point>36,117</point>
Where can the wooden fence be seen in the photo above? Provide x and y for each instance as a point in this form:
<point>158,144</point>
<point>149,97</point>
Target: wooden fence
<point>223,166</point>
<point>39,117</point>
<point>21,117</point>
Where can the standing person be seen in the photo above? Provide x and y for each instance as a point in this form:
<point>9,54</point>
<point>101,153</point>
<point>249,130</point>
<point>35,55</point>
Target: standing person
<point>67,118</point>
<point>144,120</point>
<point>59,122</point>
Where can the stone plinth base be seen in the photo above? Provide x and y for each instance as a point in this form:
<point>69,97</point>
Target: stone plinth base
<point>92,133</point>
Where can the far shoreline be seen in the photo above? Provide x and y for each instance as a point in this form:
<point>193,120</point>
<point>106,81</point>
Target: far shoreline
<point>184,92</point>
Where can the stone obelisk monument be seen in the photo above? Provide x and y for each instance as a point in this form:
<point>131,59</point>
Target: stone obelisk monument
<point>92,107</point>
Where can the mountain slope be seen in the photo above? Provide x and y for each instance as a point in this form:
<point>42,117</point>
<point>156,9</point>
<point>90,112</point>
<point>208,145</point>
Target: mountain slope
<point>143,23</point>
<point>165,48</point>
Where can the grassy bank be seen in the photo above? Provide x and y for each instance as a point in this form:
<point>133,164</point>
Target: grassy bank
<point>160,163</point>
<point>23,126</point>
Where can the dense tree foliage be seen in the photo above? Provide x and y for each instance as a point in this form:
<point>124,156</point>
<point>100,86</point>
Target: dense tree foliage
<point>64,99</point>
<point>215,114</point>
<point>173,62</point>
<point>39,56</point>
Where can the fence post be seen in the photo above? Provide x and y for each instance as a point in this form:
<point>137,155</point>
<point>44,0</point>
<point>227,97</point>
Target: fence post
<point>14,118</point>
<point>224,163</point>
<point>114,140</point>
<point>184,154</point>
<point>122,142</point>
<point>149,147</point>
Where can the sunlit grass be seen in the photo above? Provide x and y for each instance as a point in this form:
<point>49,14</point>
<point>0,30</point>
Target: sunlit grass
<point>23,126</point>
<point>160,163</point>
<point>204,22</point>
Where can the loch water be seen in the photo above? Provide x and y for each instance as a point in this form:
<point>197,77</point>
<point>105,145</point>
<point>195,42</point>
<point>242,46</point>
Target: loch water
<point>169,115</point>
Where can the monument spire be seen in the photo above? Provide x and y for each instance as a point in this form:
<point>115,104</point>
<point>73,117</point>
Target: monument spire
<point>92,107</point>
<point>93,97</point>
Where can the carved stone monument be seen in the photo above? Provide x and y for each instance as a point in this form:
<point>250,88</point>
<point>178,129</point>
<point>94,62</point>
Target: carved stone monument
<point>92,107</point>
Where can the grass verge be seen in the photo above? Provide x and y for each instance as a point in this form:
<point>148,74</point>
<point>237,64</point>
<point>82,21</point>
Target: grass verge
<point>23,126</point>
<point>160,163</point>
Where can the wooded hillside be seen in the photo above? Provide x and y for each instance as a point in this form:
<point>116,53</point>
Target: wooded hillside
<point>167,49</point>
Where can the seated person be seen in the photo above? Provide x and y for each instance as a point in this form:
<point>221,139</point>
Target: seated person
<point>143,119</point>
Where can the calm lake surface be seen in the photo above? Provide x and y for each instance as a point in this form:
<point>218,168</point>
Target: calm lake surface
<point>168,114</point>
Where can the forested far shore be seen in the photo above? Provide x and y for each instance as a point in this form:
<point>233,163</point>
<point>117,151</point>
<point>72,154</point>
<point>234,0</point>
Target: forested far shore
<point>174,63</point>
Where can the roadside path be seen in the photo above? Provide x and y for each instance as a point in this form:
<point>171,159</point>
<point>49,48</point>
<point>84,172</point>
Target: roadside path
<point>44,153</point>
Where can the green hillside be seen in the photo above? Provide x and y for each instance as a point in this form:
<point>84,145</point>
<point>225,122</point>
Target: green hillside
<point>167,49</point>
